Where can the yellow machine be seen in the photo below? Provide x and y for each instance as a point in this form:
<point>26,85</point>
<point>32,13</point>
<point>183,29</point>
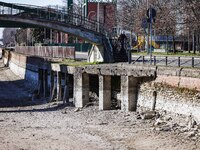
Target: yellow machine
<point>141,42</point>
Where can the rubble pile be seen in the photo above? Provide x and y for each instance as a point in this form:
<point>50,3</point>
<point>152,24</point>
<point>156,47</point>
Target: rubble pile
<point>186,126</point>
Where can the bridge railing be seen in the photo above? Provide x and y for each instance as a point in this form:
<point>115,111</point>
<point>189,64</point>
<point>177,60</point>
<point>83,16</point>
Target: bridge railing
<point>59,14</point>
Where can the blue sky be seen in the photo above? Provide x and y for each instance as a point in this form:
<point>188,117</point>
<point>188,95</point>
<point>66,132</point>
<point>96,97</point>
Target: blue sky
<point>33,2</point>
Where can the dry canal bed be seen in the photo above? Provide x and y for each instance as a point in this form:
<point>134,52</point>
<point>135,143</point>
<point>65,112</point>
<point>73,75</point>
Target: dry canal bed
<point>50,126</point>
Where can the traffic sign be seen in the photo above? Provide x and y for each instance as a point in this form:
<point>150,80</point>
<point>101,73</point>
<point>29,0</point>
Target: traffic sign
<point>151,12</point>
<point>144,23</point>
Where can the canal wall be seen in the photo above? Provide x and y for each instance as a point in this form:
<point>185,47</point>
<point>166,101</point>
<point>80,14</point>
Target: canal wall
<point>180,101</point>
<point>136,82</point>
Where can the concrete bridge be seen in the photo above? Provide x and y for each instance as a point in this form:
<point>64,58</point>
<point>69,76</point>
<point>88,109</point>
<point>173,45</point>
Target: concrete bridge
<point>16,15</point>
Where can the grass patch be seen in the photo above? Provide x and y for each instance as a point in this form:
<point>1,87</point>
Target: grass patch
<point>75,63</point>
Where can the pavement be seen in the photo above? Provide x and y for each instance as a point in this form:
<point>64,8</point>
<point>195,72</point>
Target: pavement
<point>81,55</point>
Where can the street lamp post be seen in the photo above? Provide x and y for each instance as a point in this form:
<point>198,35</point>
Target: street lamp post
<point>148,30</point>
<point>151,35</point>
<point>98,17</point>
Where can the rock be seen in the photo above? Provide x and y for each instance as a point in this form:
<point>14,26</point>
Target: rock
<point>166,128</point>
<point>148,115</point>
<point>159,122</point>
<point>185,129</point>
<point>195,128</point>
<point>103,123</point>
<point>191,134</point>
<point>138,116</point>
<point>175,125</point>
<point>167,118</point>
<point>64,111</point>
<point>191,122</point>
<point>157,129</point>
<point>194,138</point>
<point>198,126</point>
<point>77,109</point>
<point>93,96</point>
<point>126,115</point>
<point>89,104</point>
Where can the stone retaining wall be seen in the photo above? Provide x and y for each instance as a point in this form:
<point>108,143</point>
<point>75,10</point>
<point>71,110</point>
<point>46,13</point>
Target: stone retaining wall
<point>19,66</point>
<point>179,77</point>
<point>170,100</point>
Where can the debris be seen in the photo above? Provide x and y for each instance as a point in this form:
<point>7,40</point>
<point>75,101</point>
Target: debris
<point>191,122</point>
<point>165,128</point>
<point>191,134</point>
<point>167,118</point>
<point>89,104</point>
<point>138,116</point>
<point>103,123</point>
<point>159,121</point>
<point>148,115</point>
<point>77,109</point>
<point>64,111</point>
<point>194,138</point>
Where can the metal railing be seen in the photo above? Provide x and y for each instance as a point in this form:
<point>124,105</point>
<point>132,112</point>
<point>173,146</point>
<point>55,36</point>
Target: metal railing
<point>193,62</point>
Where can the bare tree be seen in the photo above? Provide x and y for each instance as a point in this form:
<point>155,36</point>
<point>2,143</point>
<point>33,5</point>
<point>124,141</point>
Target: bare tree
<point>9,36</point>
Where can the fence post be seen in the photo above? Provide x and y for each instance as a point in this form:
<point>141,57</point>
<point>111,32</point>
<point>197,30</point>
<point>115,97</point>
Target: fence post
<point>166,61</point>
<point>179,62</point>
<point>143,59</point>
<point>154,60</point>
<point>193,62</point>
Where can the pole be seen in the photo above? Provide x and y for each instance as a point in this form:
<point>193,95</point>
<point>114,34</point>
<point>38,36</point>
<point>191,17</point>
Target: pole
<point>193,41</point>
<point>189,40</point>
<point>51,36</point>
<point>129,52</point>
<point>151,35</point>
<point>148,31</point>
<point>98,17</point>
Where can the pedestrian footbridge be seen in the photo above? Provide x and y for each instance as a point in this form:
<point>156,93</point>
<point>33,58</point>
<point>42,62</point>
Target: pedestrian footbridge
<point>18,15</point>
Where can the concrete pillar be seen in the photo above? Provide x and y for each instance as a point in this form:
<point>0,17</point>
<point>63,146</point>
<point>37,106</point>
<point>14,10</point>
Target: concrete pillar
<point>61,37</point>
<point>52,85</point>
<point>129,93</point>
<point>45,82</point>
<point>104,92</point>
<point>59,87</point>
<point>40,82</point>
<point>81,89</point>
<point>66,90</point>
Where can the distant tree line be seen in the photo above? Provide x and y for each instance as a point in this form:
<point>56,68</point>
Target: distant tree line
<point>174,17</point>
